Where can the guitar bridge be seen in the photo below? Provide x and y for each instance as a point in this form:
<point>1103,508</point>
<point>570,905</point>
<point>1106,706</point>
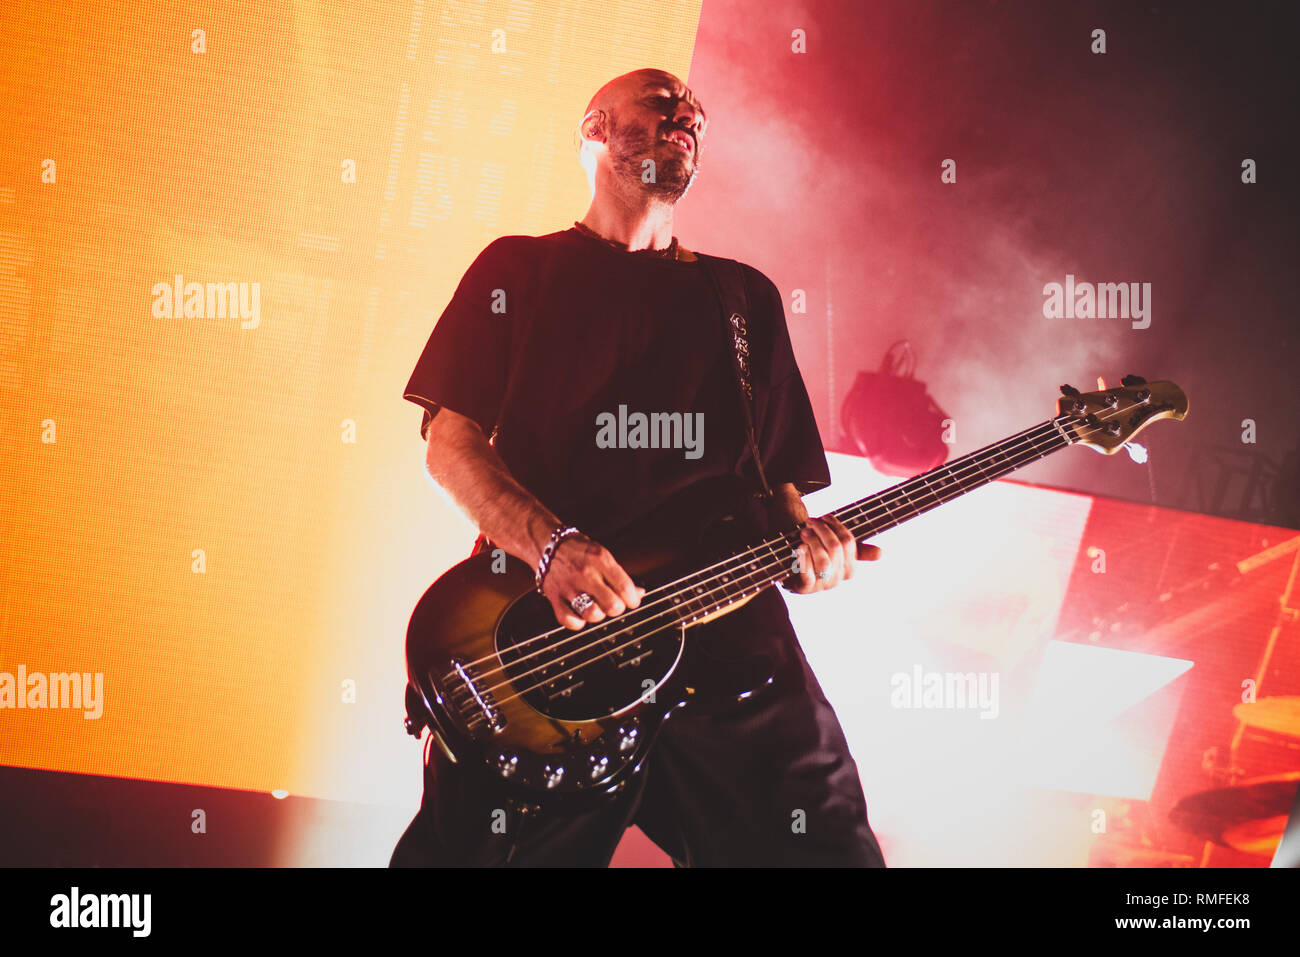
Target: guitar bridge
<point>480,706</point>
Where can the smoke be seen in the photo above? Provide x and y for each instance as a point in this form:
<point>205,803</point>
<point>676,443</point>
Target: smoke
<point>825,173</point>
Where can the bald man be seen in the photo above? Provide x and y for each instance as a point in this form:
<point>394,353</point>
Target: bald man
<point>543,337</point>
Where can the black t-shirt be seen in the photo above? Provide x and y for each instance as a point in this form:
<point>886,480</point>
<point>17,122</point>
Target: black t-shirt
<point>555,342</point>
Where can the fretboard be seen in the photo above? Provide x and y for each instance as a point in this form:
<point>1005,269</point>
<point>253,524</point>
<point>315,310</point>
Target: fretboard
<point>740,576</point>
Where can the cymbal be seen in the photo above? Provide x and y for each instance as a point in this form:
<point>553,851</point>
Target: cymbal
<point>1248,817</point>
<point>1279,714</point>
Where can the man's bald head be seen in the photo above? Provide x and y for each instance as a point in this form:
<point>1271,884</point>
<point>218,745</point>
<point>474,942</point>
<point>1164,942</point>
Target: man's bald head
<point>633,83</point>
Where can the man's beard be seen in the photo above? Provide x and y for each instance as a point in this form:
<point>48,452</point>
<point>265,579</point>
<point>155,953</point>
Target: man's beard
<point>630,148</point>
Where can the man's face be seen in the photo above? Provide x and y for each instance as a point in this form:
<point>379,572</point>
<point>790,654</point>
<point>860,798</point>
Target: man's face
<point>657,118</point>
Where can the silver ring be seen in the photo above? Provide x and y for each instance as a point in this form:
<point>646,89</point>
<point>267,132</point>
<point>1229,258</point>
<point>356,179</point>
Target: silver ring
<point>581,602</point>
<point>825,575</point>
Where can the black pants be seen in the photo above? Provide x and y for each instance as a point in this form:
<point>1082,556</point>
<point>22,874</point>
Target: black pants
<point>767,781</point>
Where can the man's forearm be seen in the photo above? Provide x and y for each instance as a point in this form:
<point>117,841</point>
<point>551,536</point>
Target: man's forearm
<point>464,464</point>
<point>461,460</point>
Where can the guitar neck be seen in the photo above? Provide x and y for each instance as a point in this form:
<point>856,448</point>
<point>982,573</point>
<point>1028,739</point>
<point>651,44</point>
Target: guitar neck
<point>741,576</point>
<point>895,505</point>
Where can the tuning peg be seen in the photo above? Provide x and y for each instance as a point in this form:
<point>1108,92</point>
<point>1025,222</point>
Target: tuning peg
<point>1069,390</point>
<point>1132,380</point>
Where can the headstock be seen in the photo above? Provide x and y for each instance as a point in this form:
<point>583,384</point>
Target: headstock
<point>1105,420</point>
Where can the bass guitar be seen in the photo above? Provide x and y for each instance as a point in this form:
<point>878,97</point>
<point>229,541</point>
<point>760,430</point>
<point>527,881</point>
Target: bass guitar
<point>551,711</point>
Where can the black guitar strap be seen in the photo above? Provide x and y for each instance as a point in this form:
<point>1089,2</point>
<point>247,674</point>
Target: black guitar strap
<point>728,283</point>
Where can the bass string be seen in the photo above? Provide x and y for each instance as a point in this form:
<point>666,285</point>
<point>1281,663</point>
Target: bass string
<point>772,571</point>
<point>763,550</point>
<point>667,591</point>
<point>1020,460</point>
<point>621,625</point>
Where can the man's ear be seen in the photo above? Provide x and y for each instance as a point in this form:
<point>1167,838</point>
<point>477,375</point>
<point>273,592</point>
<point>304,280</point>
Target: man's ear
<point>592,126</point>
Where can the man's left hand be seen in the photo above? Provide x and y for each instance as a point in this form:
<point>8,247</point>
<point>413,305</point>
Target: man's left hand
<point>825,556</point>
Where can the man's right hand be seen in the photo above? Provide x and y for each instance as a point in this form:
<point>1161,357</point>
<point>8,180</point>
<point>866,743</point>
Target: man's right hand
<point>580,565</point>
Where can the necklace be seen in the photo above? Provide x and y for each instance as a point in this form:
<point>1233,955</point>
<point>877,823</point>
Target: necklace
<point>671,251</point>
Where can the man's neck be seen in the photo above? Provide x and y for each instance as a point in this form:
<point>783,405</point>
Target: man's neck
<point>637,220</point>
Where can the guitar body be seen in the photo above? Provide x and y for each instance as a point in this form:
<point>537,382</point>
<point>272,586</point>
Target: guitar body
<point>547,710</point>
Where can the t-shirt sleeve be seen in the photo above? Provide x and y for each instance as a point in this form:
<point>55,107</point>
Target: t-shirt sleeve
<point>464,364</point>
<point>790,442</point>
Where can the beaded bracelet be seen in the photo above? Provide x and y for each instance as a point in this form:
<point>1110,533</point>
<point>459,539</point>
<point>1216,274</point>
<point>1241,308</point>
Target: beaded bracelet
<point>548,552</point>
